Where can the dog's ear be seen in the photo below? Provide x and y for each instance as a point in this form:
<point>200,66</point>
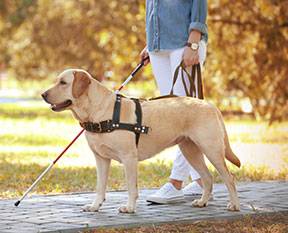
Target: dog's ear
<point>80,83</point>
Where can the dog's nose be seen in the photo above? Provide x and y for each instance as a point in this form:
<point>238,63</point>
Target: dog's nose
<point>44,95</point>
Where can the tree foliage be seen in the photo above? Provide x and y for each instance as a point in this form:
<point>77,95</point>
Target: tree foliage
<point>248,52</point>
<point>95,35</point>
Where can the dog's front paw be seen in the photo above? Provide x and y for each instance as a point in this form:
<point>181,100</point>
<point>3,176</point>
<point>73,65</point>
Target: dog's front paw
<point>199,203</point>
<point>91,208</point>
<point>126,209</point>
<point>233,207</point>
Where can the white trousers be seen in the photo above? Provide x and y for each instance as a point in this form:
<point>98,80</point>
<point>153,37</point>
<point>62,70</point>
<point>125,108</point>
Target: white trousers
<point>164,64</point>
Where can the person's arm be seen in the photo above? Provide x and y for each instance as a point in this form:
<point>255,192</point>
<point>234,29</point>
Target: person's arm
<point>197,28</point>
<point>198,16</point>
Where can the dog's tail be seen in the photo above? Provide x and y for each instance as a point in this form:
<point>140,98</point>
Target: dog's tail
<point>229,154</point>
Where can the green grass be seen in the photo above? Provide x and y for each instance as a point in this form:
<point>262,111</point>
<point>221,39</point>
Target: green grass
<point>31,139</point>
<point>17,177</point>
<point>28,156</point>
<point>31,112</point>
<point>31,136</point>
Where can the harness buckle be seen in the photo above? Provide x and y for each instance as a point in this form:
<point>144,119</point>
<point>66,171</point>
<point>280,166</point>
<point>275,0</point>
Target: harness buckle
<point>141,129</point>
<point>99,128</point>
<point>106,126</point>
<point>144,129</point>
<point>92,127</point>
<point>89,126</point>
<point>109,126</point>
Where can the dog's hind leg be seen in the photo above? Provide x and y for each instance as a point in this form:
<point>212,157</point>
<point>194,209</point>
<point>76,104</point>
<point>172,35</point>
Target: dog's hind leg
<point>103,165</point>
<point>195,157</point>
<point>228,179</point>
<point>214,150</point>
<point>130,163</point>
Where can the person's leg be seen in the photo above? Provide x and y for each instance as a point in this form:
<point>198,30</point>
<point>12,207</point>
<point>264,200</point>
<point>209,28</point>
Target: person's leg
<point>202,57</point>
<point>180,165</point>
<point>180,170</point>
<point>160,62</point>
<point>161,66</point>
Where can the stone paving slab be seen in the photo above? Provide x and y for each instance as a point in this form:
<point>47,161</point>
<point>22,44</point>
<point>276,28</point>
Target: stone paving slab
<point>62,213</point>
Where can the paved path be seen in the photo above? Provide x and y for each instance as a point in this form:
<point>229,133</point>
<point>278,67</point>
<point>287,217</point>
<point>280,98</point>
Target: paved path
<point>62,213</point>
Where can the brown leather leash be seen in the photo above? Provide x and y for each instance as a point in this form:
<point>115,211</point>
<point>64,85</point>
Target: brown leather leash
<point>194,74</point>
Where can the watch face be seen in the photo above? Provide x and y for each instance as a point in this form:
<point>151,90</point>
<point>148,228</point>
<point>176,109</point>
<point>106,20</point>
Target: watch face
<point>194,46</point>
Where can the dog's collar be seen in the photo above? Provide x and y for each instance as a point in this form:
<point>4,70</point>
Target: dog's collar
<point>115,124</point>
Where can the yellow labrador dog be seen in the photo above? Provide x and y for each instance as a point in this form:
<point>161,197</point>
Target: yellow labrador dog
<point>195,125</point>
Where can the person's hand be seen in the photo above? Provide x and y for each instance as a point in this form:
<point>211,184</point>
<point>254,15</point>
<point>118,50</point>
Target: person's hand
<point>190,57</point>
<point>144,53</point>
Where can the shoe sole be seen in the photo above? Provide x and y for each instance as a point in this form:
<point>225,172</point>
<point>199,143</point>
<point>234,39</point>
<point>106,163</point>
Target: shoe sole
<point>193,197</point>
<point>158,200</point>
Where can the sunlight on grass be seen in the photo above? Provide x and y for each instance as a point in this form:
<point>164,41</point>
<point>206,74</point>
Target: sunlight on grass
<point>31,139</point>
<point>257,132</point>
<point>16,178</point>
<point>70,179</point>
<point>30,112</point>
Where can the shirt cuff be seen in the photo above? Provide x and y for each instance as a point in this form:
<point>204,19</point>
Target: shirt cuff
<point>201,27</point>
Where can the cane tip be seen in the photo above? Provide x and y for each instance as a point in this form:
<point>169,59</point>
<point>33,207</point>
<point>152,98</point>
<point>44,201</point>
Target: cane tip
<point>17,203</point>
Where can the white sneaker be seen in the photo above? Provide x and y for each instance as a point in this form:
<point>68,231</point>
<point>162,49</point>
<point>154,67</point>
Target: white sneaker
<point>193,191</point>
<point>166,194</point>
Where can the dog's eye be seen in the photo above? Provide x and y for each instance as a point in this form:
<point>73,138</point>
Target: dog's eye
<point>62,82</point>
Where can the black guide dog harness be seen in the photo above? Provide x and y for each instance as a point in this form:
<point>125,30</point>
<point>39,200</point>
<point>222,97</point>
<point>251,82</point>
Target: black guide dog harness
<point>115,124</point>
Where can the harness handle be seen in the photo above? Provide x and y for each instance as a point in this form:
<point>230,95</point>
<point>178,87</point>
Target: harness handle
<point>195,73</point>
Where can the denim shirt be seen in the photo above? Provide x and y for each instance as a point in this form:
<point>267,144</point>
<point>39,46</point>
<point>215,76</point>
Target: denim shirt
<point>169,22</point>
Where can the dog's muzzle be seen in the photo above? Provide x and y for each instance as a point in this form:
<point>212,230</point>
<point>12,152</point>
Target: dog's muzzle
<point>61,106</point>
<point>56,107</point>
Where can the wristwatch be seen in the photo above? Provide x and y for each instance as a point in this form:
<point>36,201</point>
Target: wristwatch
<point>194,46</point>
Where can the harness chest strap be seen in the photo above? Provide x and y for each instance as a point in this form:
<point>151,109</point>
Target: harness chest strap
<point>115,124</point>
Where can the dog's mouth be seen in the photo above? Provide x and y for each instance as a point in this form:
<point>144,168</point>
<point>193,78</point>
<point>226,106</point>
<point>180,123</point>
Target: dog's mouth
<point>61,106</point>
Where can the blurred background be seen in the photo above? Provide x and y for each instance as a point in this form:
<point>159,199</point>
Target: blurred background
<point>246,76</point>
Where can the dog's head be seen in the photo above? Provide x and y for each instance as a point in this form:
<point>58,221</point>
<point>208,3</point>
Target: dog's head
<point>70,86</point>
